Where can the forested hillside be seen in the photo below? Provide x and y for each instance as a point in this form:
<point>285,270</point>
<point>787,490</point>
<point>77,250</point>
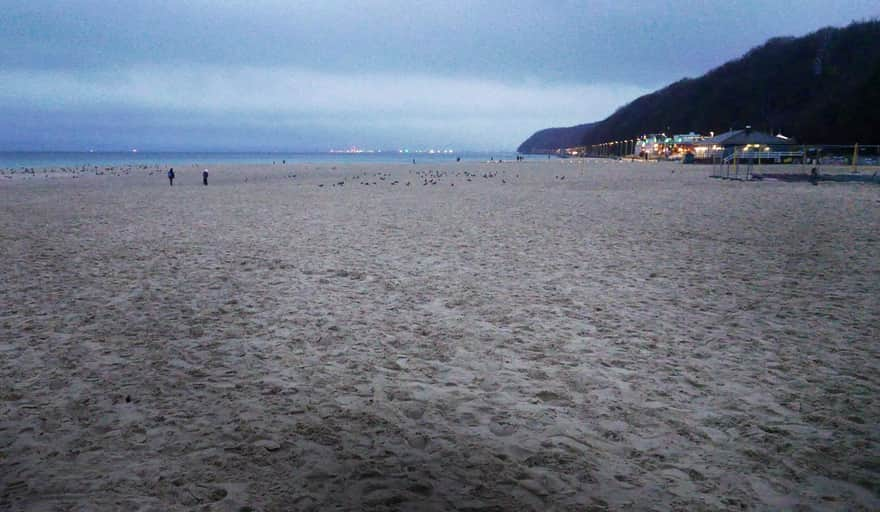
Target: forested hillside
<point>820,88</point>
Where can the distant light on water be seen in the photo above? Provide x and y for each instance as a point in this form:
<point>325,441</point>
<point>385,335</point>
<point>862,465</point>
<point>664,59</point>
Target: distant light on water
<point>92,157</point>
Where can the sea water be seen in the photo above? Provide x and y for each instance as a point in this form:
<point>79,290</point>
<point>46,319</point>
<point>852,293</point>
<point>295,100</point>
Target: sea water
<point>36,159</point>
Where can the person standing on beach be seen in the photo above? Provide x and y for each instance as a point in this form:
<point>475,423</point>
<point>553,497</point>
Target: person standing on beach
<point>205,177</point>
<point>171,176</point>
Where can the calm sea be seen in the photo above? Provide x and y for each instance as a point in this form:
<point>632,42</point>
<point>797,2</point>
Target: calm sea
<point>17,159</point>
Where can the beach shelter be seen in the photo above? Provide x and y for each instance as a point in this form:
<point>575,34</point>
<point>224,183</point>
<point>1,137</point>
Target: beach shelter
<point>729,141</point>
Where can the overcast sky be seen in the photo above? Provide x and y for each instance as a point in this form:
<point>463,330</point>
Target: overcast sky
<point>290,75</point>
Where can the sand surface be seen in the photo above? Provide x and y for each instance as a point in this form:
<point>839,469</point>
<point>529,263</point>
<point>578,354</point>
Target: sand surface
<point>631,337</point>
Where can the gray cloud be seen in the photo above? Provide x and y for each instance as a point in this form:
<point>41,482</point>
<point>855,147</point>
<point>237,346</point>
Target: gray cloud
<point>259,89</point>
<point>552,40</point>
<point>428,108</point>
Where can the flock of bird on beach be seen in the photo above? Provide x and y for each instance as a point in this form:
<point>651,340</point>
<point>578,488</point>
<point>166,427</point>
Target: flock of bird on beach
<point>76,172</point>
<point>427,177</point>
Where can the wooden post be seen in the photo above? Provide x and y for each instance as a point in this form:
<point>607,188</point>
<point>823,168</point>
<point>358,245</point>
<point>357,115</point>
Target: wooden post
<point>735,165</point>
<point>804,159</point>
<point>855,159</point>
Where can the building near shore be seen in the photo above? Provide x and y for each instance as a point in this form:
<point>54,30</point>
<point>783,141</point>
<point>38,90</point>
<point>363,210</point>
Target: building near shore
<point>652,145</point>
<point>683,144</point>
<point>660,145</point>
<point>747,144</point>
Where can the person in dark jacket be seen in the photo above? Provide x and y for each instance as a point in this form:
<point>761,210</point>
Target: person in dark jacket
<point>171,177</point>
<point>205,177</point>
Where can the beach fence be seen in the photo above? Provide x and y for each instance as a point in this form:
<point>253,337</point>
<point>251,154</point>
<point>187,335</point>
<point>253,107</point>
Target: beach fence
<point>854,158</point>
<point>744,163</point>
<point>739,163</point>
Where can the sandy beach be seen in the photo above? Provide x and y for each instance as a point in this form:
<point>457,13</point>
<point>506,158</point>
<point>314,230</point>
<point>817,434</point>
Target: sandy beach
<point>559,335</point>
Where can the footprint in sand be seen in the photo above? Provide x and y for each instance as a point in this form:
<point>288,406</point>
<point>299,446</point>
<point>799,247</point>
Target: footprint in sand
<point>418,441</point>
<point>553,398</point>
<point>196,494</point>
<point>414,410</point>
<point>421,488</point>
<point>501,428</point>
<point>470,419</point>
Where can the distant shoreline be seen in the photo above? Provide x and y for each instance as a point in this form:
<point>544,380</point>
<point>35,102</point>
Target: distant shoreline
<point>79,159</point>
